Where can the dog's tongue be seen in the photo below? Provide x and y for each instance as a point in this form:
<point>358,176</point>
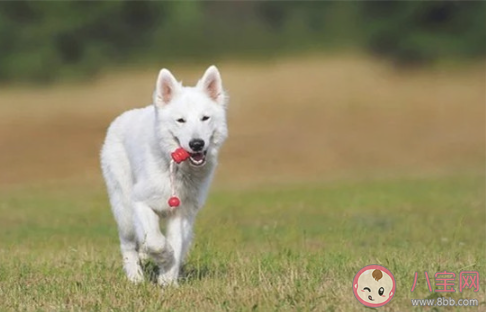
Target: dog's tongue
<point>197,156</point>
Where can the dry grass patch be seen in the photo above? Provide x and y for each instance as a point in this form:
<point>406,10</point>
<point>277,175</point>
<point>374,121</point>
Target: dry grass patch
<point>290,120</point>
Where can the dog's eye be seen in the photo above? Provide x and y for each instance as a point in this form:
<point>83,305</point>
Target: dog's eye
<point>204,118</point>
<point>381,291</point>
<point>181,120</point>
<point>366,288</point>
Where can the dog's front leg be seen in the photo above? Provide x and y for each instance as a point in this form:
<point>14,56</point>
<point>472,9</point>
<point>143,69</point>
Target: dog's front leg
<point>179,235</point>
<point>152,242</point>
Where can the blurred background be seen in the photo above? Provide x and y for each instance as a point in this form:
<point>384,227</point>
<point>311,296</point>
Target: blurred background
<point>320,91</point>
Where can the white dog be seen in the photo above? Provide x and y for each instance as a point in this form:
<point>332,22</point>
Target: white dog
<point>136,158</point>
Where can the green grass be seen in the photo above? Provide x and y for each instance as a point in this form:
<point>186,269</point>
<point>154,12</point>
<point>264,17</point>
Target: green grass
<point>280,249</point>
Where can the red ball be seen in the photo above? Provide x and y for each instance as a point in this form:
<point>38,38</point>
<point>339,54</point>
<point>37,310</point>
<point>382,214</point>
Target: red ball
<point>174,201</point>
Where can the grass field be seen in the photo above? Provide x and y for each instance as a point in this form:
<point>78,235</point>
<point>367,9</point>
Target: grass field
<point>385,168</point>
<point>296,249</point>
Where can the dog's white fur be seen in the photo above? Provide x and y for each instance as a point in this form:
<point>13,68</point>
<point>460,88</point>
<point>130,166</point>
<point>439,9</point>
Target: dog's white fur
<point>135,161</point>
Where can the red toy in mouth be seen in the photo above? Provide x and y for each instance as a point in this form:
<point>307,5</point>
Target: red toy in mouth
<point>178,156</point>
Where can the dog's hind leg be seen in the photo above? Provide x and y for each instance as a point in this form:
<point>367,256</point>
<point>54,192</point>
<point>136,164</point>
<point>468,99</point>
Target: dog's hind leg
<point>151,240</point>
<point>126,232</point>
<point>115,170</point>
<point>131,261</point>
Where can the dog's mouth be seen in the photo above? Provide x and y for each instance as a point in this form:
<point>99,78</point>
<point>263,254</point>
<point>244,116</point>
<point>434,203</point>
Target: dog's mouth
<point>197,159</point>
<point>370,298</point>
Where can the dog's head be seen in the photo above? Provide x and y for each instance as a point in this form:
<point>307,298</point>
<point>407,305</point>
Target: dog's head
<point>193,118</point>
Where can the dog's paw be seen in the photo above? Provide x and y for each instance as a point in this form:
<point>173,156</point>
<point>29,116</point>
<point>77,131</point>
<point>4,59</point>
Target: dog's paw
<point>134,273</point>
<point>143,256</point>
<point>167,280</point>
<point>136,279</point>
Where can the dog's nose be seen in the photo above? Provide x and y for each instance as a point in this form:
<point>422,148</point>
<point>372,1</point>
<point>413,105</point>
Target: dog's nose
<point>196,145</point>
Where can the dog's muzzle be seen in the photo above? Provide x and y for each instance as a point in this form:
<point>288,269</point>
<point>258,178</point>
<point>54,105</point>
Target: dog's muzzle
<point>198,159</point>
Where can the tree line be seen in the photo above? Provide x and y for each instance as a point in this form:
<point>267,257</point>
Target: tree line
<point>44,41</point>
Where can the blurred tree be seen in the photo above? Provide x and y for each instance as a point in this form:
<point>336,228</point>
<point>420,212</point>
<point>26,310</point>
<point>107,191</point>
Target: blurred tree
<point>43,41</point>
<point>421,32</point>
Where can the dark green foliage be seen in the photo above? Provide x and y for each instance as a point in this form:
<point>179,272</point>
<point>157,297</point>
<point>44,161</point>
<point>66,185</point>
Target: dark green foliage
<point>413,31</point>
<point>43,41</point>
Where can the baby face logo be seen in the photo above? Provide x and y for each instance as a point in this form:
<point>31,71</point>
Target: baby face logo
<point>374,286</point>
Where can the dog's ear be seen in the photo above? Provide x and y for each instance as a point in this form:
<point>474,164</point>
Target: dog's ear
<point>165,88</point>
<point>212,85</point>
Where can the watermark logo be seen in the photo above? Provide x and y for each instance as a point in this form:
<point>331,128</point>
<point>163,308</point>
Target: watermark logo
<point>446,281</point>
<point>374,286</point>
